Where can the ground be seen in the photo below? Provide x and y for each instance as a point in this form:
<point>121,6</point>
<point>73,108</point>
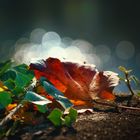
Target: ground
<point>98,125</point>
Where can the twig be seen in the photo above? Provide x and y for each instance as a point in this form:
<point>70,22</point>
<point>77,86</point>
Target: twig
<point>116,106</point>
<point>9,116</point>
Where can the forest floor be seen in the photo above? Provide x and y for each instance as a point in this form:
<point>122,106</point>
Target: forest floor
<point>98,125</point>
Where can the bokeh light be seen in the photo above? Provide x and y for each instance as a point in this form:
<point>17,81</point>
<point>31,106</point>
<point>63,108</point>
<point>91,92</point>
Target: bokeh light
<point>103,52</point>
<point>74,54</point>
<point>21,41</point>
<point>36,35</point>
<point>83,45</point>
<point>94,59</point>
<point>67,41</point>
<point>125,50</point>
<point>51,38</point>
<point>52,45</point>
<point>58,52</point>
<point>138,60</point>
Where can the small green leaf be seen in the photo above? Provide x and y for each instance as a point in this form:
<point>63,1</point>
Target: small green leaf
<point>23,75</point>
<point>18,91</point>
<point>36,98</point>
<point>10,84</point>
<point>5,99</point>
<point>21,80</point>
<point>121,78</point>
<point>129,71</point>
<point>1,107</point>
<point>123,69</point>
<point>10,74</point>
<point>71,117</point>
<point>4,67</point>
<point>73,114</point>
<point>42,108</point>
<point>135,79</point>
<point>67,121</point>
<point>23,68</point>
<point>59,96</point>
<point>138,93</point>
<point>55,117</point>
<point>17,78</point>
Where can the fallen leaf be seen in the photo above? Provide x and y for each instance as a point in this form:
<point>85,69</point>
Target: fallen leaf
<point>77,82</point>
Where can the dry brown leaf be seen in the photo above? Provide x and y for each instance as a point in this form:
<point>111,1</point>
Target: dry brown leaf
<point>78,82</point>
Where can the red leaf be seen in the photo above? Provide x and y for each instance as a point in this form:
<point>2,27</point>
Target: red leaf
<point>78,82</point>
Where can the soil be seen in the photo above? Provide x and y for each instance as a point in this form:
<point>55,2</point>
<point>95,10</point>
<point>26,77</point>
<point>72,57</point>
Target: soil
<point>89,126</point>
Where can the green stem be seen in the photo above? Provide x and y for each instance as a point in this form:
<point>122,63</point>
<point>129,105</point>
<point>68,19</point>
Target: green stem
<point>130,89</point>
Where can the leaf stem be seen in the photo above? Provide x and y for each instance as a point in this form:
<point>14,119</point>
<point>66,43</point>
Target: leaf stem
<point>127,82</point>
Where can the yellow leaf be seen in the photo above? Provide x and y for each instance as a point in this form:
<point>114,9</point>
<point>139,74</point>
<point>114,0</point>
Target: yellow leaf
<point>2,87</point>
<point>11,106</point>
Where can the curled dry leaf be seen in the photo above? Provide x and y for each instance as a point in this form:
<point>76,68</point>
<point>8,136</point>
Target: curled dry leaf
<point>81,83</point>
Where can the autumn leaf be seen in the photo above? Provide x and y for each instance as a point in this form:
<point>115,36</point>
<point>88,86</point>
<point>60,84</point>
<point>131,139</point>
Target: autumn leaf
<point>2,87</point>
<point>11,106</point>
<point>77,82</point>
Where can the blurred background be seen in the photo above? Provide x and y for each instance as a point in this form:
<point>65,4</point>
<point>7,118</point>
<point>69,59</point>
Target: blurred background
<point>112,26</point>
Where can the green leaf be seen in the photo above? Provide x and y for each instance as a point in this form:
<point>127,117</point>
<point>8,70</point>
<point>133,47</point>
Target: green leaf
<point>123,69</point>
<point>67,121</point>
<point>70,118</point>
<point>138,93</point>
<point>135,79</point>
<point>23,68</point>
<point>36,99</point>
<point>42,108</point>
<point>73,114</point>
<point>59,96</point>
<point>55,117</point>
<point>18,91</point>
<point>10,74</point>
<point>10,84</point>
<point>20,76</point>
<point>5,99</point>
<point>121,78</point>
<point>1,107</point>
<point>4,67</point>
<point>42,79</point>
<point>23,75</point>
<point>21,80</point>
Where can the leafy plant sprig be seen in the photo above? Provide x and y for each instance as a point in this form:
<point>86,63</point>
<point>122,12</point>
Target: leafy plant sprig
<point>58,118</point>
<point>127,80</point>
